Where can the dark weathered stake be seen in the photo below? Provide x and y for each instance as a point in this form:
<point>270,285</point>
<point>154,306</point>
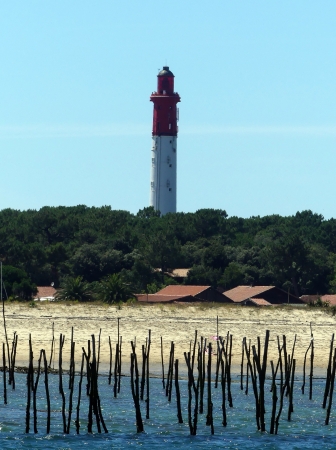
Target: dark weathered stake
<point>162,365</point>
<point>228,369</point>
<point>147,374</point>
<point>110,368</point>
<point>209,417</point>
<point>135,392</point>
<point>47,390</point>
<point>13,358</point>
<point>60,375</point>
<point>52,344</point>
<point>143,371</point>
<point>178,395</point>
<point>223,382</point>
<point>328,377</point>
<point>4,372</point>
<point>71,357</point>
<point>168,384</point>
<point>248,353</point>
<point>119,364</point>
<point>201,373</point>
<point>242,365</point>
<point>79,393</point>
<point>30,375</point>
<point>98,357</point>
<point>290,404</point>
<point>331,392</point>
<point>35,391</point>
<point>71,382</point>
<point>274,399</point>
<point>311,365</point>
<point>171,365</point>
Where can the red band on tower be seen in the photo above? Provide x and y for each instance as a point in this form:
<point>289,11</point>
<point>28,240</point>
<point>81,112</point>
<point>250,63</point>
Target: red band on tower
<point>165,101</point>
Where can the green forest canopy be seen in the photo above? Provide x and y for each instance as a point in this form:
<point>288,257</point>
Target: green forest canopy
<point>296,252</point>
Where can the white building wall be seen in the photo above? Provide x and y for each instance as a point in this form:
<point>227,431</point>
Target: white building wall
<point>163,174</point>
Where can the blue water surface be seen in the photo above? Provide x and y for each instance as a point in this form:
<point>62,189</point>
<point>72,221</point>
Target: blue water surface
<point>306,430</point>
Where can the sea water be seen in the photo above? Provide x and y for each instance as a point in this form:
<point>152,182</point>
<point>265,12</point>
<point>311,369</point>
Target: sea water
<point>306,430</point>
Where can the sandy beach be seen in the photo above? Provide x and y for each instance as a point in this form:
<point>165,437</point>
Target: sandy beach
<point>173,322</point>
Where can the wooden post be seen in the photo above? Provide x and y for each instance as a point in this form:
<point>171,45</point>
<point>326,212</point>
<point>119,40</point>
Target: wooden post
<point>201,374</point>
<point>52,344</point>
<point>143,372</point>
<point>217,355</point>
<point>328,377</point>
<point>286,381</point>
<point>79,392</point>
<point>261,368</point>
<point>228,371</point>
<point>331,392</point>
<point>71,357</point>
<point>274,398</point>
<point>71,383</point>
<point>98,357</point>
<point>217,364</point>
<point>135,392</point>
<point>110,369</point>
<point>88,370</point>
<point>290,405</point>
<point>162,365</point>
<point>247,364</point>
<point>47,390</point>
<point>35,390</point>
<point>116,364</point>
<point>13,358</point>
<point>178,395</point>
<point>171,365</point>
<point>209,418</point>
<point>169,369</point>
<point>4,372</point>
<point>311,365</point>
<point>60,374</point>
<point>119,364</point>
<point>191,383</point>
<point>304,368</point>
<point>147,375</point>
<point>242,366</point>
<point>29,384</point>
<point>223,382</point>
<point>262,376</point>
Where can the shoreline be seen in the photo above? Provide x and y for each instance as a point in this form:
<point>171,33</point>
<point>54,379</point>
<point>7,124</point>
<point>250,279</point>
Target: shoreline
<point>174,322</point>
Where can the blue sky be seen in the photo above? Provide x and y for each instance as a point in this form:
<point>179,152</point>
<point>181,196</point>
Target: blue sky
<point>257,130</point>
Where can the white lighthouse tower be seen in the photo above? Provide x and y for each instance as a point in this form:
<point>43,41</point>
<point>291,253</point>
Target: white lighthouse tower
<point>163,171</point>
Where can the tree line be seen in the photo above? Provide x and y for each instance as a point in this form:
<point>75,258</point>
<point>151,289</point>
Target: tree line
<point>60,244</point>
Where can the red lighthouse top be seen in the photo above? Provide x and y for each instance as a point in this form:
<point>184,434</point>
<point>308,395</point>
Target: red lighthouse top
<point>165,100</point>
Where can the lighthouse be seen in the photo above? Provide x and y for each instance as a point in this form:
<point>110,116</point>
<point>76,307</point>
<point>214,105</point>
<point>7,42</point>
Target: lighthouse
<point>164,137</point>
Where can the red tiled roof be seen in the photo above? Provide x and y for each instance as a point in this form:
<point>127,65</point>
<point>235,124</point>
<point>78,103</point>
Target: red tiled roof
<point>260,302</point>
<point>241,293</point>
<point>330,298</point>
<point>309,298</point>
<point>157,298</point>
<point>45,291</point>
<point>174,289</point>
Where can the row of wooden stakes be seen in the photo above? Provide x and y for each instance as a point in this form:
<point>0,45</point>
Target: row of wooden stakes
<point>199,364</point>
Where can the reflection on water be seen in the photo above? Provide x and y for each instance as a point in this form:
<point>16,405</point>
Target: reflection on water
<point>306,430</point>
